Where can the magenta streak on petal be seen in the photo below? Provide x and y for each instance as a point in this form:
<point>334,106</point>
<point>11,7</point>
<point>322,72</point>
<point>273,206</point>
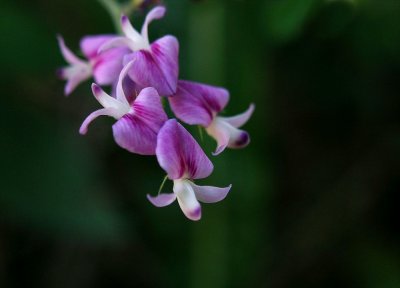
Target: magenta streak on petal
<point>242,140</point>
<point>179,154</point>
<point>157,68</point>
<point>137,131</point>
<point>196,104</point>
<point>195,214</point>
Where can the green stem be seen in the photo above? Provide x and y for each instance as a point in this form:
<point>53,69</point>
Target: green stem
<point>115,11</point>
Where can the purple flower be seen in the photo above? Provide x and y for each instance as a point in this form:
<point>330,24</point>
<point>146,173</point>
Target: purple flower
<point>104,67</point>
<point>181,157</point>
<point>156,64</point>
<point>138,122</point>
<point>199,104</point>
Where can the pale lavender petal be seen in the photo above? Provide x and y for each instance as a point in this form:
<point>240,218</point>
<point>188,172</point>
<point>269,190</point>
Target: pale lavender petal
<point>226,135</point>
<point>102,112</point>
<point>158,67</point>
<point>196,104</point>
<point>91,44</point>
<point>187,200</point>
<point>108,65</point>
<point>179,154</point>
<point>155,13</point>
<point>241,119</point>
<point>137,131</point>
<point>72,83</point>
<point>68,55</point>
<point>210,194</point>
<point>114,43</point>
<point>162,200</point>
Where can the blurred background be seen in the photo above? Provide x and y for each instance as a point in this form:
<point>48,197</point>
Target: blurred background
<point>315,197</point>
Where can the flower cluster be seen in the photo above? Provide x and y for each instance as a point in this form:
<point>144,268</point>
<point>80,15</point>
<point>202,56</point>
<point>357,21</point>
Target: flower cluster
<point>140,73</point>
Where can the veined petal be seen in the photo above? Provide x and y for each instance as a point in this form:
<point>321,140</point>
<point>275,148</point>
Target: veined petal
<point>68,55</point>
<point>162,200</point>
<point>91,44</point>
<point>108,65</point>
<point>137,130</point>
<point>209,194</point>
<point>157,67</point>
<point>109,102</point>
<point>101,112</point>
<point>179,154</point>
<point>226,135</point>
<point>117,42</point>
<point>240,119</point>
<point>187,199</point>
<point>155,13</point>
<point>196,104</point>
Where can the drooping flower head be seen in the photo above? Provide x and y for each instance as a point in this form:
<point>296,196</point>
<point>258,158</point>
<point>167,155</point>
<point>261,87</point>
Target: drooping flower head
<point>104,67</point>
<point>199,104</point>
<point>137,123</point>
<point>181,157</point>
<point>156,64</point>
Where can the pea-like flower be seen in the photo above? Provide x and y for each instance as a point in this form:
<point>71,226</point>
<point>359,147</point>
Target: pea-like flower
<point>138,122</point>
<point>156,64</point>
<point>199,104</point>
<point>181,157</point>
<point>104,67</point>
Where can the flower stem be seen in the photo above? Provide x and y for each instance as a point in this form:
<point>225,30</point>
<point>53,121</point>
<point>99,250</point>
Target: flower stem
<point>115,11</point>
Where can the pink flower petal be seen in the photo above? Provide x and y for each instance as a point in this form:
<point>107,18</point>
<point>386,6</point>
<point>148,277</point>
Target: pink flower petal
<point>196,104</point>
<point>91,44</point>
<point>137,131</point>
<point>162,200</point>
<point>158,67</point>
<point>179,154</point>
<point>108,65</point>
<point>210,194</point>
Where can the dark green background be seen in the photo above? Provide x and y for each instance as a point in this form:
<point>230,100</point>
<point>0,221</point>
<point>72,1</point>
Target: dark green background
<point>315,197</point>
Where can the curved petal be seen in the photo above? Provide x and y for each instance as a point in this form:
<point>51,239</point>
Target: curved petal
<point>155,13</point>
<point>158,67</point>
<point>196,104</point>
<point>179,154</point>
<point>240,119</point>
<point>74,76</point>
<point>120,89</point>
<point>101,112</point>
<point>210,194</point>
<point>137,131</point>
<point>108,65</point>
<point>109,102</point>
<point>162,200</point>
<point>129,31</point>
<point>91,44</point>
<point>116,42</point>
<point>68,55</point>
<point>187,200</point>
<point>227,136</point>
